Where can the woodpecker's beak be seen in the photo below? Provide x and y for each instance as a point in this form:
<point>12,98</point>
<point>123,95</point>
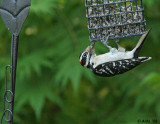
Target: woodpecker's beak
<point>90,48</point>
<point>92,45</point>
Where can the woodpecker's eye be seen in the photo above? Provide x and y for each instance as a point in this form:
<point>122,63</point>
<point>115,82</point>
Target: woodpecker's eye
<point>85,55</point>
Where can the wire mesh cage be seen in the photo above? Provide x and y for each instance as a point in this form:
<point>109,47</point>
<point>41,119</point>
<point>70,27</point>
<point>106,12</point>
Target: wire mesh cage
<point>115,19</point>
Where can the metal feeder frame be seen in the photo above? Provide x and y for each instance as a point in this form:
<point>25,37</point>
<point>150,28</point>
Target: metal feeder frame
<point>110,18</point>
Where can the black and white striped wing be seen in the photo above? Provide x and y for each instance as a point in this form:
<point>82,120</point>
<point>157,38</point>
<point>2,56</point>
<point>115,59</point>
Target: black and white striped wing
<point>113,68</point>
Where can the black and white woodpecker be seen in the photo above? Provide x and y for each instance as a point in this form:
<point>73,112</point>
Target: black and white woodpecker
<point>116,61</point>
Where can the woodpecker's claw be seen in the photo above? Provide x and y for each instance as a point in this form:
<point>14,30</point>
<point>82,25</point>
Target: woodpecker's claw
<point>120,49</point>
<point>105,42</point>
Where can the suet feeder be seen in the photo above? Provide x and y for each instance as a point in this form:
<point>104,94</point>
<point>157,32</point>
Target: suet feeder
<point>115,19</point>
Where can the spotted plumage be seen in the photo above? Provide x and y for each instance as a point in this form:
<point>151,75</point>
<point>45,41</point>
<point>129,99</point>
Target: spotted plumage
<point>116,61</point>
<point>109,69</point>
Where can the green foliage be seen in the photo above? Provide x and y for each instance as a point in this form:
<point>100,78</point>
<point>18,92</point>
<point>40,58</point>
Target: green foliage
<point>52,87</point>
<point>41,6</point>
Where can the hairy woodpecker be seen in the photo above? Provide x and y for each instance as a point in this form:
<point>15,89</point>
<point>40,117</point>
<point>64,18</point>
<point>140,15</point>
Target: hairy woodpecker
<point>116,61</point>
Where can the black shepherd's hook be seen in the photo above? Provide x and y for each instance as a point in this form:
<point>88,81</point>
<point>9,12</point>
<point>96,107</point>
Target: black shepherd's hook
<point>13,13</point>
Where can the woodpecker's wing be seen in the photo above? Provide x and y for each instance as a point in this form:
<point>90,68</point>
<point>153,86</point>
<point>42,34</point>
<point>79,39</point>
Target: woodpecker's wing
<point>113,68</point>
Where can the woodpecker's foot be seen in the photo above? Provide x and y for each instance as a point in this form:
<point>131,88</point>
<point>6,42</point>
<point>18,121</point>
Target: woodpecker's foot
<point>105,42</point>
<point>120,49</point>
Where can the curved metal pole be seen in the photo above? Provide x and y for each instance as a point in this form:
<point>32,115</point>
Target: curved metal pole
<point>13,67</point>
<point>13,13</point>
<point>14,54</point>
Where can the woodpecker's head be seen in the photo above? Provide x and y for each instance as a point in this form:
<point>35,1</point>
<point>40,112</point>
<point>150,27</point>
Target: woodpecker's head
<point>86,55</point>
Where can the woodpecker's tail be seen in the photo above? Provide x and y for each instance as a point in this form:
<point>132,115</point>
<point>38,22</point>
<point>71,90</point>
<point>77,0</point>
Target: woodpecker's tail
<point>139,45</point>
<point>144,59</point>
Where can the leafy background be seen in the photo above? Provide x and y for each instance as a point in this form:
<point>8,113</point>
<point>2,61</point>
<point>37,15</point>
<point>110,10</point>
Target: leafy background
<point>53,88</point>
